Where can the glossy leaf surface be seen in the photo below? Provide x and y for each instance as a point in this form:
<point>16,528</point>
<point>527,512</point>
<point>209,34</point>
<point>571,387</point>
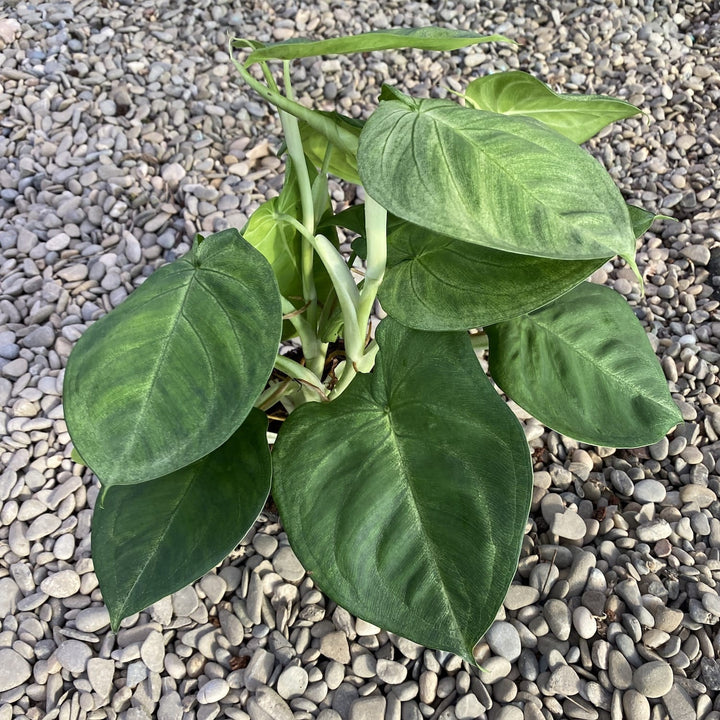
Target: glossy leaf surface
<point>578,117</point>
<point>407,496</point>
<point>434,282</point>
<point>584,366</point>
<point>426,38</point>
<point>508,183</point>
<point>172,372</point>
<point>153,539</point>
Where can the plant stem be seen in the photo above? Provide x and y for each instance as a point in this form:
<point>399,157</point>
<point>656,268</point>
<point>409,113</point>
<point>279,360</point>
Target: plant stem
<point>299,372</point>
<point>334,132</point>
<point>291,129</point>
<point>347,292</point>
<point>313,349</point>
<point>376,236</point>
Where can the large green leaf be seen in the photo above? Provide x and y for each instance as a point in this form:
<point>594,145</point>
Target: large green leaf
<point>407,496</point>
<point>152,539</point>
<point>171,373</point>
<point>578,117</point>
<point>454,170</point>
<point>434,282</point>
<point>425,38</point>
<point>584,366</point>
<point>343,164</point>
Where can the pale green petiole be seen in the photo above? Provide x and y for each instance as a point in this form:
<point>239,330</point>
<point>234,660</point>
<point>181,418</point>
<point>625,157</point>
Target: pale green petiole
<point>376,236</point>
<point>336,134</point>
<point>347,292</point>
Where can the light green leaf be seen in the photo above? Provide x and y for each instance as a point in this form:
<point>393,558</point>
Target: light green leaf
<point>277,239</point>
<point>425,38</point>
<point>578,117</point>
<point>454,170</point>
<point>343,164</point>
<point>152,539</point>
<point>407,496</point>
<point>583,366</point>
<point>433,282</point>
<point>171,373</point>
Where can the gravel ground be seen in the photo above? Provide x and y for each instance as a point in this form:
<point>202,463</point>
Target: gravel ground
<point>122,133</point>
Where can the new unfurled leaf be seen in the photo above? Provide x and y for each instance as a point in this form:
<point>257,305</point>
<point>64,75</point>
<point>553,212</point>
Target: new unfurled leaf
<point>172,372</point>
<point>425,38</point>
<point>583,366</point>
<point>152,539</point>
<point>508,183</point>
<point>578,117</point>
<point>407,496</point>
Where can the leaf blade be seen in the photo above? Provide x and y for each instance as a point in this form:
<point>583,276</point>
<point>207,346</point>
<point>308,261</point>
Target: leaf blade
<point>435,163</point>
<point>153,385</point>
<point>436,283</point>
<point>153,539</point>
<point>603,388</point>
<point>388,495</point>
<point>427,38</point>
<point>578,117</point>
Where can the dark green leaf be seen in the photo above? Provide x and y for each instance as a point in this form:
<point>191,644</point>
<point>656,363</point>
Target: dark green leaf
<point>425,38</point>
<point>583,366</point>
<point>343,164</point>
<point>152,539</point>
<point>407,496</point>
<point>642,219</point>
<point>169,375</point>
<point>454,170</point>
<point>578,117</point>
<point>433,282</point>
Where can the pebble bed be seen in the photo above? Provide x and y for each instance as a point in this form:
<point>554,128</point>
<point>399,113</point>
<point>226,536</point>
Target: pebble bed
<point>122,133</point>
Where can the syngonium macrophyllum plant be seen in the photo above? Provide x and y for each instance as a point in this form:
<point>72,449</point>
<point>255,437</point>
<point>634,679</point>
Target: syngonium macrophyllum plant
<point>402,477</point>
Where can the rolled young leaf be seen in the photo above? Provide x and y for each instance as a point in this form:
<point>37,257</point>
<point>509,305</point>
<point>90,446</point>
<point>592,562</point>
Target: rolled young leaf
<point>583,366</point>
<point>152,539</point>
<point>453,170</point>
<point>425,38</point>
<point>433,282</point>
<point>578,117</point>
<point>407,496</point>
<point>172,372</point>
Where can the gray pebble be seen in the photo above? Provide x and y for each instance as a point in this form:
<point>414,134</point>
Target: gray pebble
<point>653,679</point>
<point>292,682</point>
<point>14,669</point>
<point>73,655</point>
<point>649,491</point>
<point>503,639</point>
<point>62,584</point>
<point>391,672</point>
<point>213,691</point>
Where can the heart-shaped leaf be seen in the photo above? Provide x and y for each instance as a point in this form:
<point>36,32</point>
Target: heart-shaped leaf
<point>454,170</point>
<point>152,539</point>
<point>433,282</point>
<point>407,496</point>
<point>584,366</point>
<point>171,373</point>
<point>425,38</point>
<point>578,117</point>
